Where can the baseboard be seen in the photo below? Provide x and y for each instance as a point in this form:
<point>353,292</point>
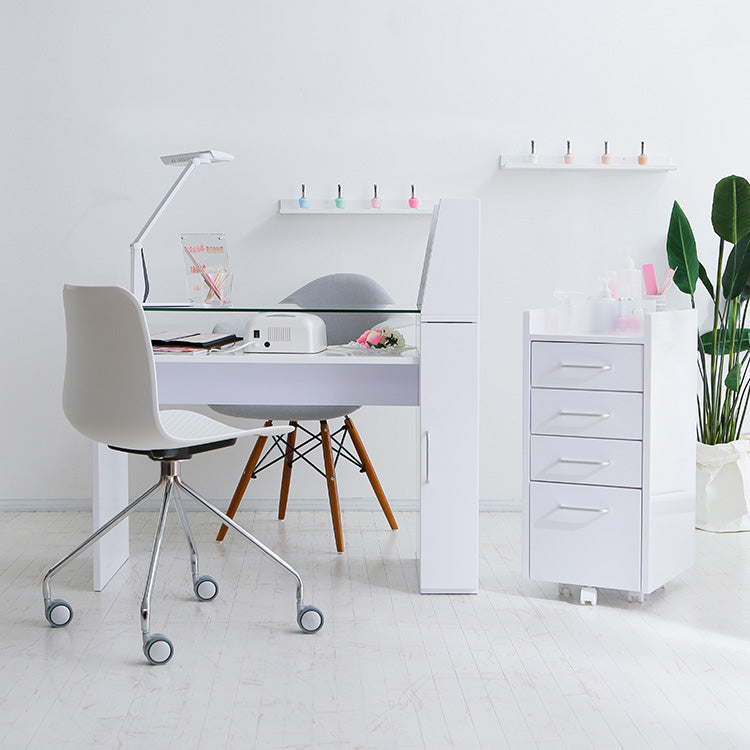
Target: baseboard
<point>399,505</point>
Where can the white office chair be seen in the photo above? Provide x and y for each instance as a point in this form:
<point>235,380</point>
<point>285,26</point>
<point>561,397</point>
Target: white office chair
<point>340,291</point>
<point>110,396</point>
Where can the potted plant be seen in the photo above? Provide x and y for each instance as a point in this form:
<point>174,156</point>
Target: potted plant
<point>723,462</point>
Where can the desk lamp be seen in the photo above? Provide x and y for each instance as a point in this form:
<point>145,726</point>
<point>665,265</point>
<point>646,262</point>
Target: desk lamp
<point>139,282</point>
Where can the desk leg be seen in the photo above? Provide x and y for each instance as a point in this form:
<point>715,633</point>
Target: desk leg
<point>109,495</point>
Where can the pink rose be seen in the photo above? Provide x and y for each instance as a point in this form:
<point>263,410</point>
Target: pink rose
<point>363,338</point>
<point>374,337</point>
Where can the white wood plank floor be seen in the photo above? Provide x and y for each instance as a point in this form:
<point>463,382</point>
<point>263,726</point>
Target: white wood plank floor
<point>513,667</point>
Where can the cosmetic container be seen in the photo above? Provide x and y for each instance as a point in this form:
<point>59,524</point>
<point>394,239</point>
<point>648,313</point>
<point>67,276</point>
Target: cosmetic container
<point>304,201</point>
<point>339,199</point>
<point>376,202</point>
<point>606,158</point>
<point>642,158</point>
<point>604,309</point>
<point>413,202</point>
<point>533,157</point>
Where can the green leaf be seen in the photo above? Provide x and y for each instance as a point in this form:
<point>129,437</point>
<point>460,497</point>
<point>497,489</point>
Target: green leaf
<point>703,275</point>
<point>730,213</point>
<point>681,252</point>
<point>737,270</point>
<point>733,378</point>
<point>741,340</point>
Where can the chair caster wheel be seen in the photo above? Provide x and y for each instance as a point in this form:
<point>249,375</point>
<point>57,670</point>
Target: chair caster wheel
<point>158,649</point>
<point>309,619</point>
<point>58,613</point>
<point>206,588</point>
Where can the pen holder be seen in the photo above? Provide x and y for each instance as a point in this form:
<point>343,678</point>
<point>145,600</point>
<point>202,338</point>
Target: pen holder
<point>222,280</point>
<point>207,271</point>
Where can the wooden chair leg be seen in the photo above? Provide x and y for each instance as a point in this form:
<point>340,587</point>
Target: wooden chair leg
<point>247,475</point>
<point>333,493</point>
<point>370,471</point>
<point>286,475</point>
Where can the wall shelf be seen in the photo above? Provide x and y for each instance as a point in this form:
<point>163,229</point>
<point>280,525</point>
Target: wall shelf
<point>362,207</point>
<point>587,164</point>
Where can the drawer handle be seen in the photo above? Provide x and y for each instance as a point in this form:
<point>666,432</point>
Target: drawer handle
<point>427,456</point>
<point>587,510</point>
<point>586,367</point>
<point>593,414</point>
<point>582,461</point>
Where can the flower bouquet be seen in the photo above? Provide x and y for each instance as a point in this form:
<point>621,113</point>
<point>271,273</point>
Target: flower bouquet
<point>381,338</point>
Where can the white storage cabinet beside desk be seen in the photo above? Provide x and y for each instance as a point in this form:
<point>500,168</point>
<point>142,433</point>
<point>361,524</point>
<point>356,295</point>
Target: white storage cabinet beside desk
<point>609,455</point>
<point>441,380</point>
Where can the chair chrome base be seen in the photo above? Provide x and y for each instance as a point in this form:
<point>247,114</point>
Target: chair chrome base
<point>158,648</point>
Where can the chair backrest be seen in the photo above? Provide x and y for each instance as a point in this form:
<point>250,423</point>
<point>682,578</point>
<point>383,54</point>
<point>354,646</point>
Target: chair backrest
<point>335,290</point>
<point>109,393</point>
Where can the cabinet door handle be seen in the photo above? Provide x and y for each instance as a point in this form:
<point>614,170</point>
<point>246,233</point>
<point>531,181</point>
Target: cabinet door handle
<point>427,457</point>
<point>582,461</point>
<point>593,414</point>
<point>587,510</point>
<point>586,367</point>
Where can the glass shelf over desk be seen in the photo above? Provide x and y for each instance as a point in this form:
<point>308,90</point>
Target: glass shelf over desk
<point>281,307</point>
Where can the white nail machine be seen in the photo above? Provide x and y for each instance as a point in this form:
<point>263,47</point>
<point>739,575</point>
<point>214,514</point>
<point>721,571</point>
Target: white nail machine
<point>285,333</point>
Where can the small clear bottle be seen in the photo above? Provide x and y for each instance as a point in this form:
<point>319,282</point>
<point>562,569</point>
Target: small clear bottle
<point>604,309</point>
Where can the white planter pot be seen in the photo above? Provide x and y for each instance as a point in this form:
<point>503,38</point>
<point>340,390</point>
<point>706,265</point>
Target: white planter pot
<point>722,486</point>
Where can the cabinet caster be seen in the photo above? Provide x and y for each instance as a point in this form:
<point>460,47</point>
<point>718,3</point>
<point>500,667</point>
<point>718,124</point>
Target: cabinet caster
<point>563,590</point>
<point>588,595</point>
<point>636,596</point>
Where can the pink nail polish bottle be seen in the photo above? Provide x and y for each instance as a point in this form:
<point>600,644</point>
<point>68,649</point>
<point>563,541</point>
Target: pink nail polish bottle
<point>376,202</point>
<point>568,158</point>
<point>413,202</point>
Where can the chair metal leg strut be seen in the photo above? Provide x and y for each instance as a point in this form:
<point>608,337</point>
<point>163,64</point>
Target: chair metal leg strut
<point>157,648</point>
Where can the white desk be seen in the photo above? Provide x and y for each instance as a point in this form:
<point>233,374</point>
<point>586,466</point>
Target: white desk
<point>442,381</point>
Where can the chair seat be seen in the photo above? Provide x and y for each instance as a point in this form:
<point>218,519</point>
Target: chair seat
<point>284,413</point>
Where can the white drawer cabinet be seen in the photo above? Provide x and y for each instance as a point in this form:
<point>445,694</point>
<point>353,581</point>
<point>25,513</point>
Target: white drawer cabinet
<point>609,455</point>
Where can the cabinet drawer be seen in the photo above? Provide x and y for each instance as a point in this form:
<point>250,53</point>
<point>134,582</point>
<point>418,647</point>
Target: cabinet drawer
<point>589,536</point>
<point>607,414</point>
<point>616,463</point>
<point>609,367</point>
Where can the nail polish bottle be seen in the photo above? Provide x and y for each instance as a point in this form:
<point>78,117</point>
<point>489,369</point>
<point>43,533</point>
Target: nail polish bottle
<point>568,158</point>
<point>642,158</point>
<point>533,157</point>
<point>376,202</point>
<point>339,199</point>
<point>304,202</point>
<point>606,158</point>
<point>413,202</point>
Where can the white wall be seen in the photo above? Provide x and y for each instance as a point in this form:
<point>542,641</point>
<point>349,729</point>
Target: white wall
<point>425,92</point>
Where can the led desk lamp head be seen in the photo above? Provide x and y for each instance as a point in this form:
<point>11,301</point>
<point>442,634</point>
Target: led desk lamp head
<point>139,281</point>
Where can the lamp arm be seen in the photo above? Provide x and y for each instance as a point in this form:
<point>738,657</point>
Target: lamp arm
<point>139,282</point>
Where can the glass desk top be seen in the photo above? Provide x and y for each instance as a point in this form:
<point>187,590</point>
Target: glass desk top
<point>282,307</point>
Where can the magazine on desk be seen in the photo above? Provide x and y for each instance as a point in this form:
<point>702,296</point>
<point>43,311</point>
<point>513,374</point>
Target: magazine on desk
<point>178,340</point>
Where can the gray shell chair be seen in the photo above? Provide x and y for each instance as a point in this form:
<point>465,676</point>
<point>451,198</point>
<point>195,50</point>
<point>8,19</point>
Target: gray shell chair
<point>340,290</point>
